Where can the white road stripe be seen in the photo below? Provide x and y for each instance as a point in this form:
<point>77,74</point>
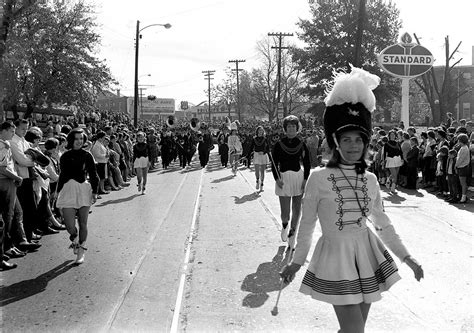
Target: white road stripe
<point>179,297</point>
<point>148,248</point>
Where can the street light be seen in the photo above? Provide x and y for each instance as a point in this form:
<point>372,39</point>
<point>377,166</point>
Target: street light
<point>143,76</point>
<point>137,41</point>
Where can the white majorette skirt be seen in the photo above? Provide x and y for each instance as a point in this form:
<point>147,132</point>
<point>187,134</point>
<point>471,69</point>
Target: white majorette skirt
<point>349,268</point>
<point>141,162</point>
<point>394,162</point>
<point>292,182</point>
<point>260,159</point>
<point>75,195</point>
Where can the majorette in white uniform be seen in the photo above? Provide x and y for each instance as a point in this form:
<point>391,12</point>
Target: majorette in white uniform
<point>350,264</point>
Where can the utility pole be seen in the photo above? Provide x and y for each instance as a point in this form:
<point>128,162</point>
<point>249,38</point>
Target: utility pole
<point>141,101</point>
<point>359,33</point>
<point>208,76</point>
<point>135,91</point>
<point>280,36</point>
<point>238,94</point>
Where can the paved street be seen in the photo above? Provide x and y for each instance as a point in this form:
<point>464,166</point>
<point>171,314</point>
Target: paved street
<point>201,251</point>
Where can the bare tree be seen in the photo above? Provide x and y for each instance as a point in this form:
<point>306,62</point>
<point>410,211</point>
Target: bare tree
<point>263,90</point>
<point>442,96</point>
<point>225,92</point>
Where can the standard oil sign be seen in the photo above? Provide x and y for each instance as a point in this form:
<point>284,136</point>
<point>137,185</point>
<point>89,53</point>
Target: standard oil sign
<point>406,59</point>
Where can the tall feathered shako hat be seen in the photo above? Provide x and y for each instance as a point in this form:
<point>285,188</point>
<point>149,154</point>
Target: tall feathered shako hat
<point>234,125</point>
<point>349,103</point>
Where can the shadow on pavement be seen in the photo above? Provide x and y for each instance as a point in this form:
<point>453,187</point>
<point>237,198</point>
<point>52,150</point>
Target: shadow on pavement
<point>394,198</point>
<point>110,202</point>
<point>248,197</point>
<point>468,206</point>
<point>27,288</point>
<point>220,180</point>
<point>411,192</point>
<point>266,279</point>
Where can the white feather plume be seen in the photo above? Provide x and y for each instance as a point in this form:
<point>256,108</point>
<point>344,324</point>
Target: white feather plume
<point>353,87</point>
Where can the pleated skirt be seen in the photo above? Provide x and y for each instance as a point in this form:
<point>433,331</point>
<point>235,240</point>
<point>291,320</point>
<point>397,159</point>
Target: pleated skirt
<point>75,195</point>
<point>349,268</point>
<point>141,162</point>
<point>260,159</point>
<point>292,183</point>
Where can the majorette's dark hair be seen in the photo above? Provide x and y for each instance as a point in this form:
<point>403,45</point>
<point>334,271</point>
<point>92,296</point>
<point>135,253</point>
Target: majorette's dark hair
<point>292,119</point>
<point>71,136</point>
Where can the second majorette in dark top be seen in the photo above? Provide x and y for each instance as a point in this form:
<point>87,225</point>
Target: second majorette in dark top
<point>76,164</point>
<point>287,155</point>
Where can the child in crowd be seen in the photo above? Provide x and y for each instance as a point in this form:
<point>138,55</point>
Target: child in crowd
<point>378,169</point>
<point>383,173</point>
<point>412,157</point>
<point>441,161</point>
<point>452,177</point>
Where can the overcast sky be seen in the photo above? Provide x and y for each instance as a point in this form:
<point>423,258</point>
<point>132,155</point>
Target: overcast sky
<point>206,34</point>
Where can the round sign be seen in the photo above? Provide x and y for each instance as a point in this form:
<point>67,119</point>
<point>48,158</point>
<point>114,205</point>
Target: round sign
<point>406,60</point>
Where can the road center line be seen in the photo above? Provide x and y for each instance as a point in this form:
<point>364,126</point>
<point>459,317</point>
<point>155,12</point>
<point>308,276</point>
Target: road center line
<point>179,297</point>
<point>151,240</point>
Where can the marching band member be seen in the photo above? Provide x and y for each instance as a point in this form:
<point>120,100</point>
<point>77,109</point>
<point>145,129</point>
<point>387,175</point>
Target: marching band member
<point>260,148</point>
<point>141,153</point>
<point>290,179</point>
<point>350,267</point>
<point>76,194</point>
<point>223,147</point>
<point>235,147</point>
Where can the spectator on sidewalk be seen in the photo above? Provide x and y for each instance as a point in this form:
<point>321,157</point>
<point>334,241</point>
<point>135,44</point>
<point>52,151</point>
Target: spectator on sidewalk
<point>9,181</point>
<point>25,192</point>
<point>101,156</point>
<point>393,157</point>
<point>453,179</point>
<point>412,158</point>
<point>429,160</point>
<point>441,176</point>
<point>462,165</point>
<point>405,147</point>
<point>312,142</point>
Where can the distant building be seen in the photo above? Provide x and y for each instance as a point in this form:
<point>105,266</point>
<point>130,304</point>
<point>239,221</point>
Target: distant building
<point>156,109</point>
<point>464,108</point>
<point>108,101</point>
<point>218,113</point>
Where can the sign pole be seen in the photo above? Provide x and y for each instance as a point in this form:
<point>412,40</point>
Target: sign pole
<point>405,116</point>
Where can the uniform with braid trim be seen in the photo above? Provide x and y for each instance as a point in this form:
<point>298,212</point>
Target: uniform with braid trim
<point>350,263</point>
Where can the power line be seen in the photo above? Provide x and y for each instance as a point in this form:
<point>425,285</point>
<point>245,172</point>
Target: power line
<point>280,36</point>
<point>238,94</point>
<point>208,76</point>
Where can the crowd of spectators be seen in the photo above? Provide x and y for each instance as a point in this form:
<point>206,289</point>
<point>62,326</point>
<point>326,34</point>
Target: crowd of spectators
<point>442,155</point>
